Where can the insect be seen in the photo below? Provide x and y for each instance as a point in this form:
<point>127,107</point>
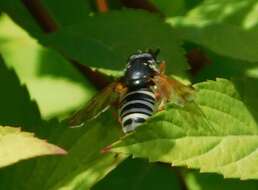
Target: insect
<point>141,91</point>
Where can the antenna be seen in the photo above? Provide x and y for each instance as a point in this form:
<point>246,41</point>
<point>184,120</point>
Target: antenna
<point>154,53</point>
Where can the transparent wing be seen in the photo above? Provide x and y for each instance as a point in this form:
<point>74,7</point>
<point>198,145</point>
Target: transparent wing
<point>172,90</point>
<point>97,105</point>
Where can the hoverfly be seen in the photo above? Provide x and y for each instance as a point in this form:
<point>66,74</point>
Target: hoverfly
<point>141,91</point>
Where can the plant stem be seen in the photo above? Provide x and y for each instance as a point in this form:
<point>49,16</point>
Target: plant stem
<point>102,5</point>
<point>41,16</point>
<point>141,4</point>
<point>181,179</point>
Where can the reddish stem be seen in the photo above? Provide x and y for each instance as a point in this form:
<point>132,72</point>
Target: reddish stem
<point>102,5</point>
<point>41,15</point>
<point>141,4</point>
<point>197,60</point>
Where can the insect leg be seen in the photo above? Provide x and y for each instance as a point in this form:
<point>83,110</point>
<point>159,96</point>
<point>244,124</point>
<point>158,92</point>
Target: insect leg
<point>162,67</point>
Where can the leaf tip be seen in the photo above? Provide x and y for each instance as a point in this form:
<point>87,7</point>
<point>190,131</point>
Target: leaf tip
<point>61,151</point>
<point>54,149</point>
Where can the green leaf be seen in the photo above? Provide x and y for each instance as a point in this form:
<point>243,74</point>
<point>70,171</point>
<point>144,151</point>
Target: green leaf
<point>197,181</point>
<point>225,67</point>
<point>21,15</point>
<point>48,76</point>
<point>84,165</point>
<point>58,9</point>
<point>16,106</point>
<point>81,168</point>
<point>170,8</point>
<point>222,138</point>
<point>106,40</point>
<point>139,174</point>
<point>17,145</point>
<point>189,4</point>
<point>227,27</point>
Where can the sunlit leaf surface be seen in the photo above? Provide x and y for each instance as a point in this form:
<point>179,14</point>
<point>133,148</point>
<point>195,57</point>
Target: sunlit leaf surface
<point>81,168</point>
<point>17,145</point>
<point>224,139</point>
<point>227,27</point>
<point>48,76</point>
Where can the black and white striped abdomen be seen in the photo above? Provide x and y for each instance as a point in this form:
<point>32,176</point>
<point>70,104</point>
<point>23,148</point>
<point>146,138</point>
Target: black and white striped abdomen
<point>135,107</point>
